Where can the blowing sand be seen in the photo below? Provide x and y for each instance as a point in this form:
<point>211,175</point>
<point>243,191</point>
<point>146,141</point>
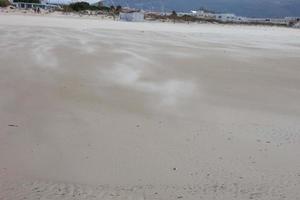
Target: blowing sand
<point>95,109</point>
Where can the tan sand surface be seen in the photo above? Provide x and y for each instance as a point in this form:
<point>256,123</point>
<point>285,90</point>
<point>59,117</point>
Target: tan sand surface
<point>93,109</point>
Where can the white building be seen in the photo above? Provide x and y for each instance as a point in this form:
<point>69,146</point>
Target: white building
<point>180,14</point>
<point>43,4</point>
<point>134,16</point>
<point>292,19</point>
<point>202,14</point>
<point>228,17</point>
<point>297,25</point>
<point>266,20</point>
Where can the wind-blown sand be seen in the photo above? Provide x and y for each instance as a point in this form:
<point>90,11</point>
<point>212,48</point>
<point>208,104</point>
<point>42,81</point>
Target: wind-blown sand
<point>95,109</point>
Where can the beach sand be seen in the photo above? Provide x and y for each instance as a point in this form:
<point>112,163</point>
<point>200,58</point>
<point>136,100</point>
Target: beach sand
<point>100,109</point>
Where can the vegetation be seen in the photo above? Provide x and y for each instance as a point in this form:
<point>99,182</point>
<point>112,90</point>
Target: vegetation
<point>118,9</point>
<point>79,6</point>
<point>173,16</point>
<point>66,8</point>
<point>4,3</point>
<point>83,6</point>
<point>28,1</point>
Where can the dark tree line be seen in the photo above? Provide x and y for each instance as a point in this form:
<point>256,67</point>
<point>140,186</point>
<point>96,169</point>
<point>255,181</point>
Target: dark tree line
<point>28,1</point>
<point>82,6</point>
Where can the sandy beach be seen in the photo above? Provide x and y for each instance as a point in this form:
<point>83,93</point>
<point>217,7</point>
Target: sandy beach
<point>102,109</point>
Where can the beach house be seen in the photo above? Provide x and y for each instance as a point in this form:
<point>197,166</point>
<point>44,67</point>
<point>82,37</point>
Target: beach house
<point>30,4</point>
<point>132,16</point>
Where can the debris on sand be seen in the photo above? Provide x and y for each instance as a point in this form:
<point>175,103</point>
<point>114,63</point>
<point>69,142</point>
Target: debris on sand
<point>13,125</point>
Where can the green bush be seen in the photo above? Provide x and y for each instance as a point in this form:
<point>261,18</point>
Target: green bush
<point>79,6</point>
<point>4,3</point>
<point>93,7</point>
<point>66,8</point>
<point>28,1</point>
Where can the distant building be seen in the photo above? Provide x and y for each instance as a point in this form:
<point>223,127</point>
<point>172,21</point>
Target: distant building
<point>180,14</point>
<point>292,21</point>
<point>297,25</point>
<point>228,17</point>
<point>279,21</point>
<point>295,19</point>
<point>40,4</point>
<point>275,21</point>
<point>202,14</point>
<point>132,16</point>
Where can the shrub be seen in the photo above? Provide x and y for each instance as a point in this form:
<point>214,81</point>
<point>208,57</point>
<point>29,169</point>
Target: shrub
<point>4,3</point>
<point>66,8</point>
<point>79,6</point>
<point>28,1</point>
<point>82,6</point>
